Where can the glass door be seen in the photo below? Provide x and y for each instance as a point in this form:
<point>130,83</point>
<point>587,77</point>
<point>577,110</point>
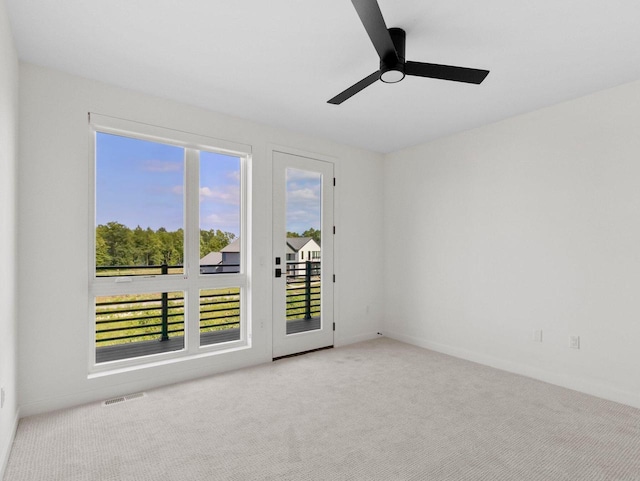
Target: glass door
<point>302,254</point>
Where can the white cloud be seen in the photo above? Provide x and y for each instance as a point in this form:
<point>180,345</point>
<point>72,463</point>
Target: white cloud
<point>303,201</point>
<point>299,216</point>
<point>303,194</point>
<point>229,194</point>
<point>225,221</point>
<point>301,220</point>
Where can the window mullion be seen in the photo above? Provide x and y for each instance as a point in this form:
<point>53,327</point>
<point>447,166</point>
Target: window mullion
<point>192,243</point>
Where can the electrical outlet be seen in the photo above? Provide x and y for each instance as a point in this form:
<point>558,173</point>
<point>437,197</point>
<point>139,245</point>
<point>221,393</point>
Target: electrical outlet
<point>574,342</point>
<point>537,335</point>
<point>1,397</point>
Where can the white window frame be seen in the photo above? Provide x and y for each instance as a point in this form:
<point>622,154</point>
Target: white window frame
<point>191,281</point>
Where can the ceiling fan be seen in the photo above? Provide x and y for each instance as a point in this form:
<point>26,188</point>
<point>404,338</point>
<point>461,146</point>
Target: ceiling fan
<point>390,43</point>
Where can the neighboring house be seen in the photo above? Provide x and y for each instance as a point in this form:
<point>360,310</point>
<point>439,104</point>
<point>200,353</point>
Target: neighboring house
<point>210,264</point>
<point>231,257</point>
<point>227,260</point>
<point>300,249</point>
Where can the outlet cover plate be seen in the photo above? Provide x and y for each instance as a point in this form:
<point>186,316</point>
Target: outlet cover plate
<point>574,342</point>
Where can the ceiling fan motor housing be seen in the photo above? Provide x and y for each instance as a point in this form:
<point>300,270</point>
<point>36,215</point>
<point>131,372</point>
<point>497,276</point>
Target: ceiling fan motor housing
<point>390,70</point>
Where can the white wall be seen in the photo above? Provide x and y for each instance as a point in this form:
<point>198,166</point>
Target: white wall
<point>8,160</point>
<point>53,235</point>
<point>530,223</point>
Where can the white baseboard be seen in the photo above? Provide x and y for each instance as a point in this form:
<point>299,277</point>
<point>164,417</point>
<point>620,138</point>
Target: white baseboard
<point>583,385</point>
<point>343,341</point>
<point>4,457</point>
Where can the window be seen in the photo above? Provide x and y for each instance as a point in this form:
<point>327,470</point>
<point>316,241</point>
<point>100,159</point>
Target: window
<point>170,250</point>
<point>219,213</point>
<point>139,207</point>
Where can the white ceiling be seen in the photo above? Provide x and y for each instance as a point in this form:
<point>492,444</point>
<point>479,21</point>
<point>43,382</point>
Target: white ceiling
<point>279,61</point>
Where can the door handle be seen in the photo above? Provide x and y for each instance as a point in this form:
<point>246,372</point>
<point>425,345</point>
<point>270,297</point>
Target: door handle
<point>278,272</point>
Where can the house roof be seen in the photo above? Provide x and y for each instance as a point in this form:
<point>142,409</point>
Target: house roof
<point>297,243</point>
<point>211,259</point>
<point>232,247</point>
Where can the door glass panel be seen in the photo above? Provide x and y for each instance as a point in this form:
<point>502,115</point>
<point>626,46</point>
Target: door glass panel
<point>303,250</point>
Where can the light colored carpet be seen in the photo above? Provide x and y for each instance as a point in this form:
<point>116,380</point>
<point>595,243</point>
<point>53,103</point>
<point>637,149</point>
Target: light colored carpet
<point>378,410</point>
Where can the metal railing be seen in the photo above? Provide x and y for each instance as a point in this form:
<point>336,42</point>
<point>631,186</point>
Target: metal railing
<point>303,290</point>
<point>160,316</point>
<point>157,317</point>
<point>136,318</point>
<point>163,269</point>
<point>130,271</point>
<point>219,310</point>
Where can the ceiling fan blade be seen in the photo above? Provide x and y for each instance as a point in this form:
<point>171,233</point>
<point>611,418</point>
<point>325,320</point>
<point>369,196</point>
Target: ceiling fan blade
<point>371,17</point>
<point>445,72</point>
<point>354,89</point>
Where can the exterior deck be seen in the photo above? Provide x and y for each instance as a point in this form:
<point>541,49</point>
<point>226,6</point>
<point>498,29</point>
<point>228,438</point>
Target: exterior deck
<point>176,343</point>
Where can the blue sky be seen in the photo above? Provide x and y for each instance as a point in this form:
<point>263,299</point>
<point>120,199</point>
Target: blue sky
<point>141,183</point>
<point>303,200</point>
<point>220,192</point>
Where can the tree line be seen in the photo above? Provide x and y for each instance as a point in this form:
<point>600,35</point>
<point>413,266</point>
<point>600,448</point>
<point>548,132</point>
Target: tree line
<point>119,245</point>
<point>311,232</point>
